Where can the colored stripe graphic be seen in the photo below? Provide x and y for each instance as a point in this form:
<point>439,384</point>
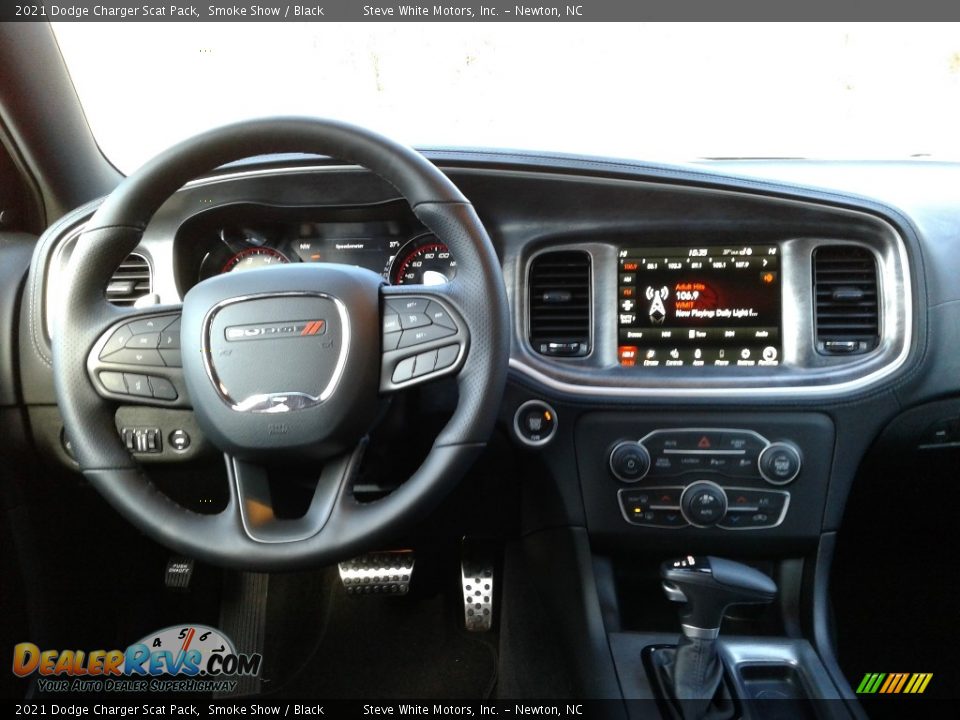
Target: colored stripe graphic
<point>312,328</point>
<point>894,683</point>
<point>903,679</point>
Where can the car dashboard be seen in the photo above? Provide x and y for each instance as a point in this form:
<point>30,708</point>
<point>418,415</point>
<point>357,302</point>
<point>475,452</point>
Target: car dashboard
<point>700,357</point>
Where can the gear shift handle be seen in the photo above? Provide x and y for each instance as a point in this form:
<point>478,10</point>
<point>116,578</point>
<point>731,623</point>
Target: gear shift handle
<point>708,586</point>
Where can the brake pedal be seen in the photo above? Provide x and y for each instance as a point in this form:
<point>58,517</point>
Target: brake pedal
<point>476,575</point>
<point>383,573</point>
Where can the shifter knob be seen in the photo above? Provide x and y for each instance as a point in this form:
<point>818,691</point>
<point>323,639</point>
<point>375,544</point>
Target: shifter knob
<point>708,586</point>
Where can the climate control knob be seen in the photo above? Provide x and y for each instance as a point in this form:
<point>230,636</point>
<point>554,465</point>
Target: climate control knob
<point>703,503</point>
<point>779,463</point>
<point>629,461</point>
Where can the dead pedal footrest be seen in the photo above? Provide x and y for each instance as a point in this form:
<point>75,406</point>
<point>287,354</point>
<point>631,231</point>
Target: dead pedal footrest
<point>382,573</point>
<point>476,575</point>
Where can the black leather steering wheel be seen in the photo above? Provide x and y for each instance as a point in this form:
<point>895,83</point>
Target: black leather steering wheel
<point>333,340</point>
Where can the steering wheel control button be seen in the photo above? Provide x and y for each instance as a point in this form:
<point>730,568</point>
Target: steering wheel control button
<point>703,504</point>
<point>425,363</point>
<point>117,341</point>
<point>391,340</point>
<point>137,385</point>
<point>170,337</point>
<point>422,335</point>
<point>147,341</point>
<point>409,320</point>
<point>113,382</point>
<point>629,461</point>
<point>162,388</point>
<point>780,463</point>
<point>404,370</point>
<point>403,306</point>
<point>446,356</point>
<point>179,440</point>
<point>439,316</point>
<point>391,323</point>
<point>535,423</point>
<point>171,358</point>
<point>135,356</point>
<point>149,325</point>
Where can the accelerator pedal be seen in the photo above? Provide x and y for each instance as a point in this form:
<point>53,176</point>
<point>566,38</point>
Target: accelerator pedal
<point>243,618</point>
<point>476,576</point>
<point>382,573</point>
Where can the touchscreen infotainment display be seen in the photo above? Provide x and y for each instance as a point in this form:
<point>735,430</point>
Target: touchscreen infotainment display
<point>709,306</point>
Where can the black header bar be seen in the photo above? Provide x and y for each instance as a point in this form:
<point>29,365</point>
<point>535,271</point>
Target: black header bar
<point>466,11</point>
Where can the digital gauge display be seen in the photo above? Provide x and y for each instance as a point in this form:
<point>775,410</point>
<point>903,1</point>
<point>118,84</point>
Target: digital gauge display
<point>710,306</point>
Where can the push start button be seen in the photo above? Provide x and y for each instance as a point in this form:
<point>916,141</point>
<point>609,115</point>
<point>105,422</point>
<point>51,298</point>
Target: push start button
<point>535,423</point>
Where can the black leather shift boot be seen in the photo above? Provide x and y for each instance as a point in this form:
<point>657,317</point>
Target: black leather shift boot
<point>691,677</point>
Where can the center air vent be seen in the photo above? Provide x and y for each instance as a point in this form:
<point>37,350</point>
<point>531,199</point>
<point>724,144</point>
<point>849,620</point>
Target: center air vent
<point>130,282</point>
<point>559,287</point>
<point>845,286</point>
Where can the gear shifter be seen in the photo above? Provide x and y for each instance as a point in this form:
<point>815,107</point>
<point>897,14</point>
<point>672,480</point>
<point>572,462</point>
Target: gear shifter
<point>692,673</point>
<point>709,585</point>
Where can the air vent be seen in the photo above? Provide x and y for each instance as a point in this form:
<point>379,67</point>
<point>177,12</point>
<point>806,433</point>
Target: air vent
<point>130,282</point>
<point>559,287</point>
<point>845,285</point>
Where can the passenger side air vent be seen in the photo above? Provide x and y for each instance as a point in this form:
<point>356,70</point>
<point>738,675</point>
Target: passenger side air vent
<point>559,287</point>
<point>845,286</point>
<point>130,282</point>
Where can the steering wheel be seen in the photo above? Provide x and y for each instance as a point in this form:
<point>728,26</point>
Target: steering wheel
<point>291,361</point>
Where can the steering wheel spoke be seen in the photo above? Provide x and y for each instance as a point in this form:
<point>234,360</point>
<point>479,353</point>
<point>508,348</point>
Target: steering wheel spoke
<point>424,338</point>
<point>253,498</point>
<point>137,359</point>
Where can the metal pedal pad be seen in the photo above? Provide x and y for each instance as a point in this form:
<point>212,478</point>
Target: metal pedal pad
<point>381,573</point>
<point>476,576</point>
<point>178,573</point>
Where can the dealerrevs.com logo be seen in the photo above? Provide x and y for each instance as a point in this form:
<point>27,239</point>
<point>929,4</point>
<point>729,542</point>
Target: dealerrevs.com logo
<point>180,658</point>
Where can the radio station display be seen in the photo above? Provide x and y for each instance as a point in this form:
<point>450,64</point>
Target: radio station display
<point>712,306</point>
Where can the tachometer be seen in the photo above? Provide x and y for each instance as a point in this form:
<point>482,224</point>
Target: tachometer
<point>253,258</point>
<point>424,260</point>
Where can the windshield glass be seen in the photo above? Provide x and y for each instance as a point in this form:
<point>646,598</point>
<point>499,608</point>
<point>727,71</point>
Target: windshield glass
<point>650,91</point>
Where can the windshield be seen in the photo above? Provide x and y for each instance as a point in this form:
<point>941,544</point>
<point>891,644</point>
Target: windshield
<point>647,91</point>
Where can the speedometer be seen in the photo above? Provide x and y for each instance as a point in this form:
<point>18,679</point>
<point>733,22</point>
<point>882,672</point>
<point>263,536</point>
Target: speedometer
<point>253,258</point>
<point>424,260</point>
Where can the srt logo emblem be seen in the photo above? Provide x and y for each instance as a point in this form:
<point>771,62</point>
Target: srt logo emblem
<point>278,330</point>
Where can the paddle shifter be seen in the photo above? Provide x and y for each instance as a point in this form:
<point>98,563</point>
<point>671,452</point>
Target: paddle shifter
<point>691,673</point>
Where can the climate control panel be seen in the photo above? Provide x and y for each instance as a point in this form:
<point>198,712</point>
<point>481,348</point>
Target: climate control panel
<point>704,478</point>
<point>732,453</point>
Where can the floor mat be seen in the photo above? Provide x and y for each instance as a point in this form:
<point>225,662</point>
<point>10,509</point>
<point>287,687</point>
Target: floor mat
<point>395,647</point>
<point>895,585</point>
